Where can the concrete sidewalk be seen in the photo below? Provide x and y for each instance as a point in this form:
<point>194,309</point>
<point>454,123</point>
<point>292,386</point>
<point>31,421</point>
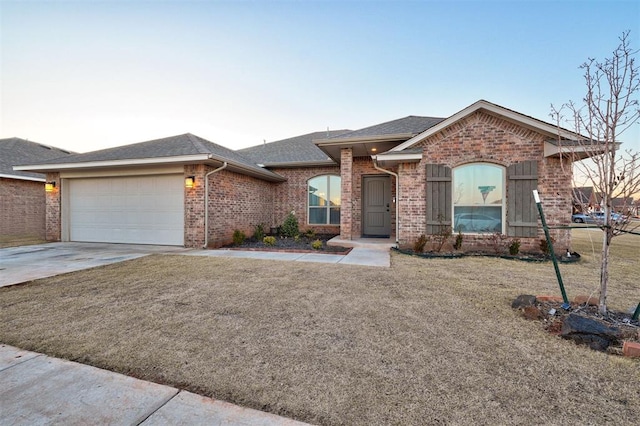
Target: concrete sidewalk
<point>358,256</point>
<point>365,252</point>
<point>37,390</point>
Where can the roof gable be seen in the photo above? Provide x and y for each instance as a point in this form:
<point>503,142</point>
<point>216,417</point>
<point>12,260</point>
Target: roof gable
<point>15,151</point>
<point>492,109</point>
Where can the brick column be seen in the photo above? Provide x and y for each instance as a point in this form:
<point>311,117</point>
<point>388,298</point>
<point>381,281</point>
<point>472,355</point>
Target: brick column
<point>194,228</point>
<point>346,194</point>
<point>53,221</point>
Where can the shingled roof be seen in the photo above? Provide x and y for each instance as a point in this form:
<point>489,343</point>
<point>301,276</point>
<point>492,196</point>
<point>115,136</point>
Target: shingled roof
<point>407,126</point>
<point>20,151</point>
<point>298,150</point>
<point>171,147</point>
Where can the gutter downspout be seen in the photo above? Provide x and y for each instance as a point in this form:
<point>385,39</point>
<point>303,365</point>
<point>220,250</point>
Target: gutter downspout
<point>206,202</point>
<point>375,165</point>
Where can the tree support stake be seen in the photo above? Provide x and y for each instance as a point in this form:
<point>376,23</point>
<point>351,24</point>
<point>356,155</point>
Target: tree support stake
<point>536,197</point>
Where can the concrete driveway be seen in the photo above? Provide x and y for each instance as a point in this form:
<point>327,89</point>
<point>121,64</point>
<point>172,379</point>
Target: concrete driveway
<point>26,263</point>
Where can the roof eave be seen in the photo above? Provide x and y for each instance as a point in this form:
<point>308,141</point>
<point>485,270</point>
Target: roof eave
<point>246,170</point>
<point>393,159</point>
<point>155,161</point>
<point>179,159</point>
<point>348,141</point>
<point>19,177</point>
<point>294,164</point>
<point>575,149</point>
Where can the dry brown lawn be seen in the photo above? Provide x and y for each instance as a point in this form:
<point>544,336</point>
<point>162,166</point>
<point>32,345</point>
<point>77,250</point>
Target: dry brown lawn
<point>425,341</point>
<point>6,241</point>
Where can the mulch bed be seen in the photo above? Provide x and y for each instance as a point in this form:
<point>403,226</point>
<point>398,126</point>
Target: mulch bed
<point>582,323</point>
<point>527,257</point>
<point>292,245</point>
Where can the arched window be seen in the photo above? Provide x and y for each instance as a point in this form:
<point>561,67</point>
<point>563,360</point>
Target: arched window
<point>478,198</point>
<point>324,200</point>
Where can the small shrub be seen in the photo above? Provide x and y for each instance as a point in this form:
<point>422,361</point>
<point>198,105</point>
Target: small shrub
<point>316,245</point>
<point>269,241</point>
<point>442,237</point>
<point>496,240</point>
<point>290,226</point>
<point>238,237</point>
<point>258,232</point>
<point>514,247</point>
<point>310,234</point>
<point>444,233</point>
<point>458,244</point>
<point>296,238</point>
<point>418,246</point>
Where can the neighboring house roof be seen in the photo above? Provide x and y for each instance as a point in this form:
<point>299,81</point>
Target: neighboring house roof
<point>19,151</point>
<point>622,202</point>
<point>181,149</point>
<point>583,195</point>
<point>296,151</point>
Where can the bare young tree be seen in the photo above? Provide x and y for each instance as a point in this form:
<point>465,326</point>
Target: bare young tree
<point>610,108</point>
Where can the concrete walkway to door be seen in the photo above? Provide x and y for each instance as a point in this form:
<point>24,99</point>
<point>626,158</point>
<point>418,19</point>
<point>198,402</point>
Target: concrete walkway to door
<point>365,252</point>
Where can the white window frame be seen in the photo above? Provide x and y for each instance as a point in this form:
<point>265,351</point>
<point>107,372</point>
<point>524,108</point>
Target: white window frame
<point>503,212</point>
<point>328,207</point>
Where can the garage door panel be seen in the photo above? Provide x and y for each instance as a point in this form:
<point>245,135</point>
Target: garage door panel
<point>136,210</point>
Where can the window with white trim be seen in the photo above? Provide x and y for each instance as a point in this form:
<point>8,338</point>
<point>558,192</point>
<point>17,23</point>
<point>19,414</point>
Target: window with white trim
<point>478,198</point>
<point>324,200</point>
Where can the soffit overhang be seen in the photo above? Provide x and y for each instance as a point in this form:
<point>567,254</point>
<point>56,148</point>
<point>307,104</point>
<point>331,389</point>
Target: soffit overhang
<point>208,159</point>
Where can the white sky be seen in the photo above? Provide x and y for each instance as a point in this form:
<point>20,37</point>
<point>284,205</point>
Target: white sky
<point>88,75</point>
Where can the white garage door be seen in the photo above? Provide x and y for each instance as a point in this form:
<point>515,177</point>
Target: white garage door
<point>134,210</point>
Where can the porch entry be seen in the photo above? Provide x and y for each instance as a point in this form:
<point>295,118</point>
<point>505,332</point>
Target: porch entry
<point>376,206</point>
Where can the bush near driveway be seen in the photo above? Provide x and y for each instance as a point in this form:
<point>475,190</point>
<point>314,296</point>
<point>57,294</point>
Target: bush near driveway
<point>422,342</point>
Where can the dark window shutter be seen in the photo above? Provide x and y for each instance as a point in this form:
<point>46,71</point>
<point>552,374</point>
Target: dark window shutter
<point>522,213</point>
<point>439,198</point>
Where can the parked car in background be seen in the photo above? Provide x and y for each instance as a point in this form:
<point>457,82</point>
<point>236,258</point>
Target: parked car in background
<point>597,218</point>
<point>474,222</point>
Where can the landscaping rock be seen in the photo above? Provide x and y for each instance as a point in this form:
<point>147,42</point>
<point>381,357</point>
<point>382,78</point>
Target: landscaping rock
<point>589,331</point>
<point>631,349</point>
<point>523,301</point>
<point>532,313</point>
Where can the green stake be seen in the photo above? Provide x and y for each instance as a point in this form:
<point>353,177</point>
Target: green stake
<point>636,313</point>
<point>536,197</point>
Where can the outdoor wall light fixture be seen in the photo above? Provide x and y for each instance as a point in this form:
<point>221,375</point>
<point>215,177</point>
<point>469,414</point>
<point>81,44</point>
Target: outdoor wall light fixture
<point>190,181</point>
<point>49,186</point>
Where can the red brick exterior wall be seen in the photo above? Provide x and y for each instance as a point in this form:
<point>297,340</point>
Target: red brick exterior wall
<point>237,202</point>
<point>484,138</point>
<point>194,229</point>
<point>22,209</point>
<point>292,195</point>
<point>347,194</point>
<point>53,201</point>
